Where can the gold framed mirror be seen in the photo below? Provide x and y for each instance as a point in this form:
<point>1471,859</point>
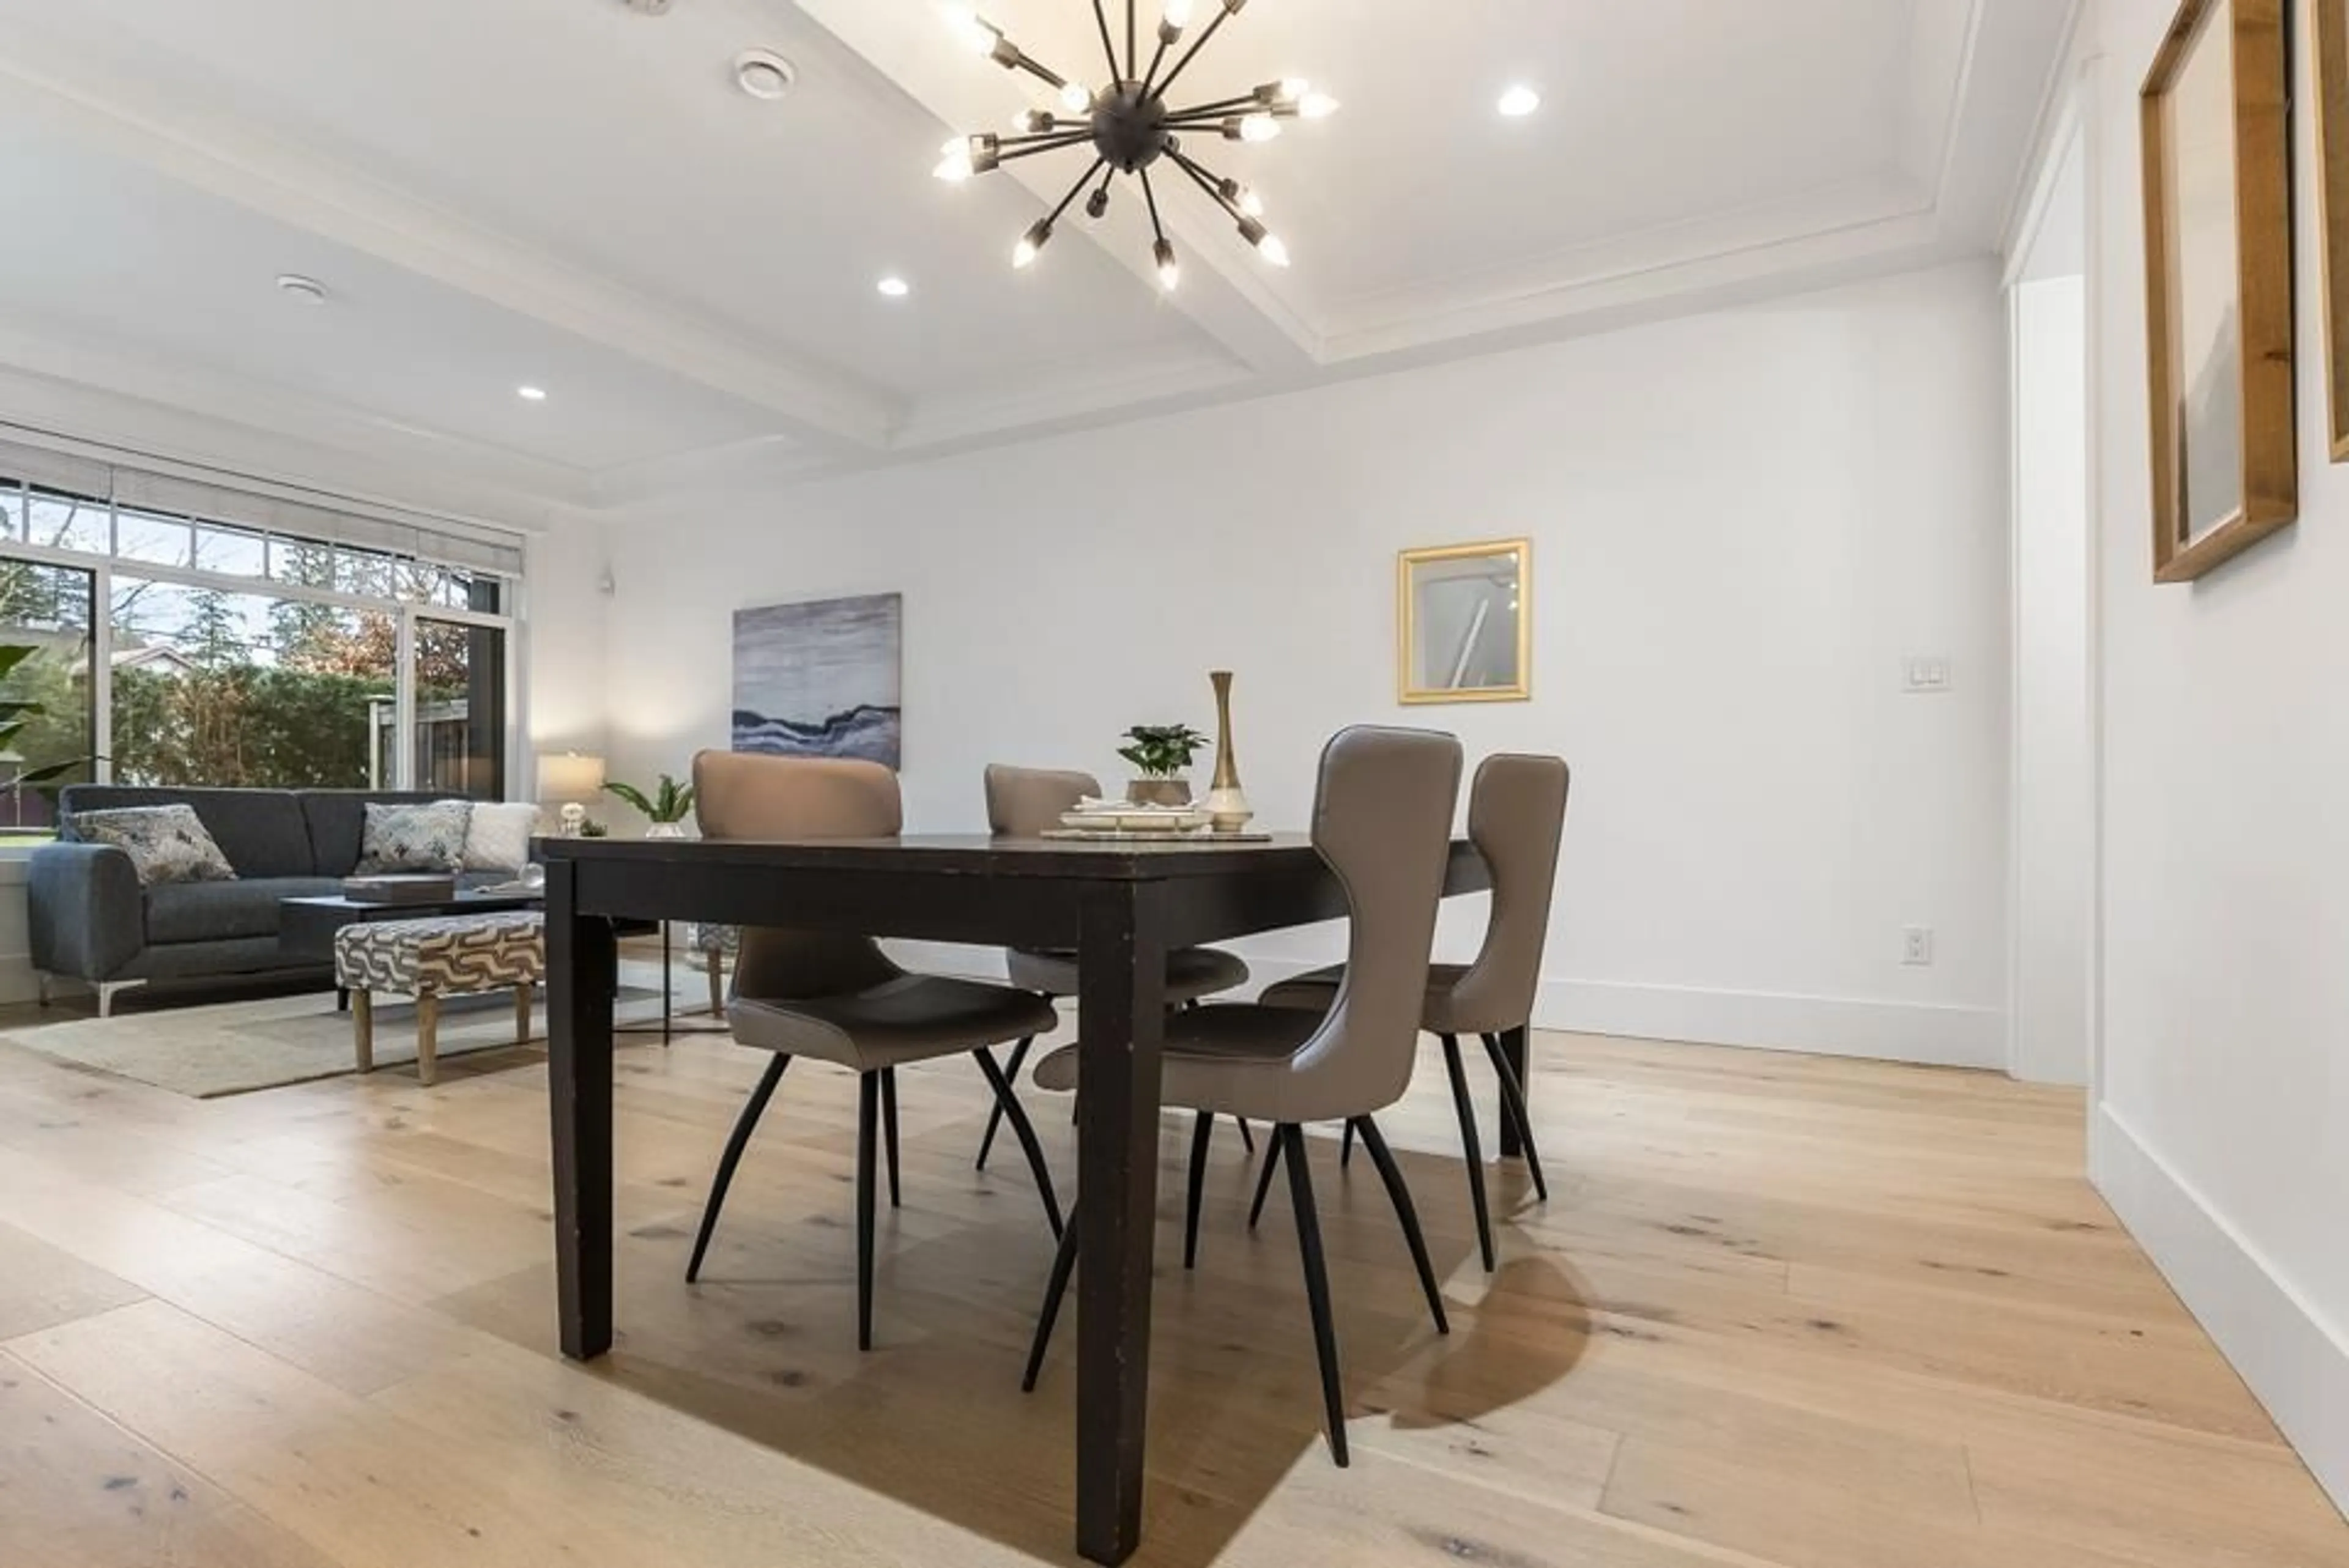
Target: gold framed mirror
<point>1465,622</point>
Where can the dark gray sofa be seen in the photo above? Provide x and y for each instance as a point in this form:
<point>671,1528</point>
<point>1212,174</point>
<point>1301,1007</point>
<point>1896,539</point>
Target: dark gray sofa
<point>92,922</point>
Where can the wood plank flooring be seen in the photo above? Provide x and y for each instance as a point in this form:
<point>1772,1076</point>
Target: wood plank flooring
<point>1780,1312</point>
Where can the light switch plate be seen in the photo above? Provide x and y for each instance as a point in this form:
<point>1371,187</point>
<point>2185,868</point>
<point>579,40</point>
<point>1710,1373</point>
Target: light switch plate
<point>1928,674</point>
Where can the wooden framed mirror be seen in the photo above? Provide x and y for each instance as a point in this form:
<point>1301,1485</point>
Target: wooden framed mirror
<point>1465,622</point>
<point>2218,195</point>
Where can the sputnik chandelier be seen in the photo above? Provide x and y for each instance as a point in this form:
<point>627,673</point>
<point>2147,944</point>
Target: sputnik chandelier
<point>1130,125</point>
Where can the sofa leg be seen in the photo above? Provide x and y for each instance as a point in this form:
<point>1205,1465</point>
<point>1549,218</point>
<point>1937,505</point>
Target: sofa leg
<point>108,990</point>
<point>41,981</point>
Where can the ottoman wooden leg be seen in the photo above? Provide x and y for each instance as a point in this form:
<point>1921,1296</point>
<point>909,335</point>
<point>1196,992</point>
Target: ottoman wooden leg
<point>428,1037</point>
<point>363,1027</point>
<point>525,997</point>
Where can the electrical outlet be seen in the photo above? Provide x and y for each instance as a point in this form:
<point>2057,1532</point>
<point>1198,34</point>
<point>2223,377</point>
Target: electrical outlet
<point>1917,945</point>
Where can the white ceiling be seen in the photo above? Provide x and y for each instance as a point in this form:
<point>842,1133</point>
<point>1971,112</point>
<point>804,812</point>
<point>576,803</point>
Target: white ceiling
<point>571,195</point>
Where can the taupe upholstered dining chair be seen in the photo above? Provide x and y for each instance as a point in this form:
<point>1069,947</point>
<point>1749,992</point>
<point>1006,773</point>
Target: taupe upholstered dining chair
<point>1382,821</point>
<point>840,999</point>
<point>1516,816</point>
<point>1023,803</point>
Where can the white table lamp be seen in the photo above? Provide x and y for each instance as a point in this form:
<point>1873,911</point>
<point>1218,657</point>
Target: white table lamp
<point>573,780</point>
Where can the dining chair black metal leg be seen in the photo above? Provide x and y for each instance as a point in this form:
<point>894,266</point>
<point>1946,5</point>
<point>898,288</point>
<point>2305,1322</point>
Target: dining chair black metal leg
<point>995,1111</point>
<point>736,1141</point>
<point>868,1110</point>
<point>889,1128</point>
<point>1263,1179</point>
<point>1513,1096</point>
<point>1064,1262</point>
<point>1471,1150</point>
<point>1247,1138</point>
<point>1346,1147</point>
<point>1392,1174</point>
<point>1203,1131</point>
<point>1317,1288</point>
<point>1025,1131</point>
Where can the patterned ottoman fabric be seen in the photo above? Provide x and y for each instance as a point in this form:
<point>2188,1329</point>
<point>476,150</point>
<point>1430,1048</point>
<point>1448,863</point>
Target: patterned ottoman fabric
<point>451,955</point>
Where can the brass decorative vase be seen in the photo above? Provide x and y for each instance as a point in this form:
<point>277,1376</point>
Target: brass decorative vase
<point>1226,801</point>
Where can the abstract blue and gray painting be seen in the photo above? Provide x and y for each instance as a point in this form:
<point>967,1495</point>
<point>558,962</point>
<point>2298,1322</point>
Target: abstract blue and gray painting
<point>820,679</point>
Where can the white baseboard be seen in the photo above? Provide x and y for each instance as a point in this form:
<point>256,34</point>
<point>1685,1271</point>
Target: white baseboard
<point>1933,1034</point>
<point>2293,1361</point>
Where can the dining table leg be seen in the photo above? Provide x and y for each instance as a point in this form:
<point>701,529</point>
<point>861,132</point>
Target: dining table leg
<point>1513,1047</point>
<point>1121,1020</point>
<point>582,969</point>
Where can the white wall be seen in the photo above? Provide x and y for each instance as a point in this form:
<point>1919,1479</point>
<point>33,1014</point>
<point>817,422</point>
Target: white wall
<point>1744,524</point>
<point>564,650</point>
<point>2054,808</point>
<point>2221,1131</point>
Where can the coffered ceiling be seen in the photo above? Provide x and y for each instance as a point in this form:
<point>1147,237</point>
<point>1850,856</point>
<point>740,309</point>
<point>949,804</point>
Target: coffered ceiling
<point>574,195</point>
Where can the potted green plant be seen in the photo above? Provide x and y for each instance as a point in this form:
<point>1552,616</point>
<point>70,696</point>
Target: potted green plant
<point>1160,752</point>
<point>668,806</point>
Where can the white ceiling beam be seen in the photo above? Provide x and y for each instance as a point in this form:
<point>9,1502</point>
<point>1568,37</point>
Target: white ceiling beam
<point>209,152</point>
<point>1223,290</point>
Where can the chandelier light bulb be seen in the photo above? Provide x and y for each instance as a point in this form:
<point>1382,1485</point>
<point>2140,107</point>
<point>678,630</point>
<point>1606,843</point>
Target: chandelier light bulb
<point>1024,253</point>
<point>1290,90</point>
<point>1243,198</point>
<point>973,31</point>
<point>1031,121</point>
<point>1076,98</point>
<point>1253,128</point>
<point>1170,271</point>
<point>1178,14</point>
<point>1317,105</point>
<point>1271,249</point>
<point>955,167</point>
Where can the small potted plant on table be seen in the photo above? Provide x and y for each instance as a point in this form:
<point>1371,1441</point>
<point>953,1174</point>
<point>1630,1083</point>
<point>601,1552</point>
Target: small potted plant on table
<point>668,806</point>
<point>1160,752</point>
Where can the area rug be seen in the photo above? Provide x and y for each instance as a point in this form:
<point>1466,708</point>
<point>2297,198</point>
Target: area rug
<point>234,1048</point>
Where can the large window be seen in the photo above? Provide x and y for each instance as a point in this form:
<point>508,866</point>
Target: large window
<point>233,650</point>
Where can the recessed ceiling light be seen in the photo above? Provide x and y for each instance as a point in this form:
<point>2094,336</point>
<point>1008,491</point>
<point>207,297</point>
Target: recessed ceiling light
<point>894,286</point>
<point>1519,101</point>
<point>531,394</point>
<point>764,74</point>
<point>305,291</point>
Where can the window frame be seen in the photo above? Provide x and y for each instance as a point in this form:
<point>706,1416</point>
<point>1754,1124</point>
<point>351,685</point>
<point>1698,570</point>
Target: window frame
<point>405,611</point>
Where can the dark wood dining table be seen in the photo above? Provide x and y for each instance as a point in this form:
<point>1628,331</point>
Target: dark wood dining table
<point>1122,906</point>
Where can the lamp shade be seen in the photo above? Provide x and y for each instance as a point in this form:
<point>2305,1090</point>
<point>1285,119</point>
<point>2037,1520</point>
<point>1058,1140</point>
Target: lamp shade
<point>568,776</point>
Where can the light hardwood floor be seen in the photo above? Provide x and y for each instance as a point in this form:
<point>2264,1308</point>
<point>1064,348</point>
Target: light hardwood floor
<point>1779,1312</point>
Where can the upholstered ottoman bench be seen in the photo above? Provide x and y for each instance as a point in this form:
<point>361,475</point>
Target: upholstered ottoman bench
<point>450,956</point>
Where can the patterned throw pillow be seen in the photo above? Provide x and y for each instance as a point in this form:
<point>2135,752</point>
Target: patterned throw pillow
<point>497,838</point>
<point>165,843</point>
<point>414,837</point>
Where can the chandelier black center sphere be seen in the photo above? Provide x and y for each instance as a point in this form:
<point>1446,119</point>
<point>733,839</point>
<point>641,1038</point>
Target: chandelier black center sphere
<point>1131,127</point>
